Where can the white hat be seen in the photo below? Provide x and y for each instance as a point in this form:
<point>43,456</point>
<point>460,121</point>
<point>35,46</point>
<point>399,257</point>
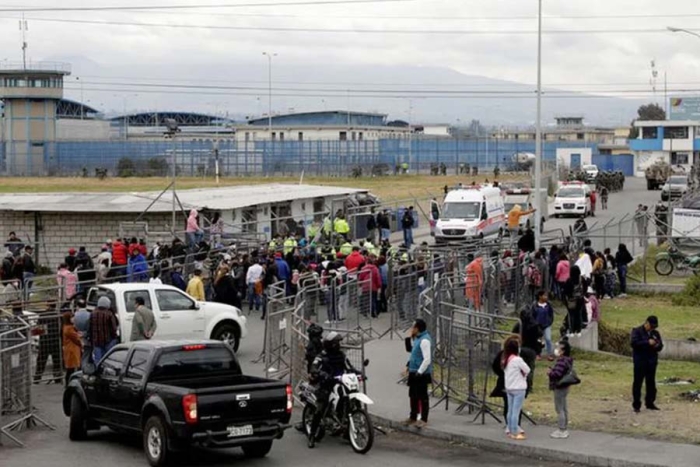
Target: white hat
<point>590,290</point>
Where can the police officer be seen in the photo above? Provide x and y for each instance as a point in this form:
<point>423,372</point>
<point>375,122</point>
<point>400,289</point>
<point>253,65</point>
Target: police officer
<point>331,363</point>
<point>646,345</point>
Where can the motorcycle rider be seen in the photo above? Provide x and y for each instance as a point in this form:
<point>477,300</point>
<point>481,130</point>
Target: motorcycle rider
<point>330,364</point>
<point>313,350</point>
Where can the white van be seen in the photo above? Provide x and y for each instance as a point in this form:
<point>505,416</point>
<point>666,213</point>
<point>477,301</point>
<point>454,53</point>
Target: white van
<point>471,213</point>
<point>572,199</point>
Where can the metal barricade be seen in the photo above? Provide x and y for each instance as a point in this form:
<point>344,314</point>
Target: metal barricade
<point>16,409</point>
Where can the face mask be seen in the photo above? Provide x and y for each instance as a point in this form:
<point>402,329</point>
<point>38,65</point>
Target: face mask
<point>557,353</point>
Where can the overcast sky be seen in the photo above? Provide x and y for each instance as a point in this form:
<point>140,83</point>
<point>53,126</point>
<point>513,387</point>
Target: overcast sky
<point>581,62</point>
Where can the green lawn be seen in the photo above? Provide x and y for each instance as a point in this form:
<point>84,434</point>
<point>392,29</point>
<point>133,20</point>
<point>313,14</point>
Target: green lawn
<point>603,401</point>
<point>676,322</point>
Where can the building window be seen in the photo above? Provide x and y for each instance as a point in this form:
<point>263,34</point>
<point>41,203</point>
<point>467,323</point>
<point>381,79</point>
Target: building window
<point>359,136</point>
<point>247,136</point>
<point>300,136</point>
<point>580,136</point>
<point>679,158</point>
<point>676,132</point>
<point>343,136</point>
<point>274,136</point>
<point>281,136</point>
<point>354,136</point>
<point>650,132</point>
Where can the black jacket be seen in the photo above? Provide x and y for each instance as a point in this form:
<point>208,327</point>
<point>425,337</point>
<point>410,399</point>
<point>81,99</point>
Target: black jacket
<point>623,258</point>
<point>407,220</point>
<point>641,350</point>
<point>327,366</point>
<point>383,221</point>
<point>29,265</point>
<point>527,242</point>
<point>226,291</point>
<point>371,223</point>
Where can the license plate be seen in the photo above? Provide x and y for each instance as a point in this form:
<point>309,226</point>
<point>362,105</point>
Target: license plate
<point>569,206</point>
<point>238,431</point>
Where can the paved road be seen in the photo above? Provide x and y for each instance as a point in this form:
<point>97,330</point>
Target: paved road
<point>619,204</point>
<point>107,449</point>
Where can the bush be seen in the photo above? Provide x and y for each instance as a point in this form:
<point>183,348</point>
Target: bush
<point>690,295</point>
<point>157,167</point>
<point>614,340</point>
<point>126,167</point>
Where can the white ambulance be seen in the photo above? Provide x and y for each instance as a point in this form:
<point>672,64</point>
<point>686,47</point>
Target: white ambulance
<point>473,212</point>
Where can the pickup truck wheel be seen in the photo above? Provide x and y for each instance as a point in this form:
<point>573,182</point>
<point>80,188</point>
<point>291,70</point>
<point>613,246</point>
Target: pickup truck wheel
<point>78,419</point>
<point>227,333</point>
<point>155,442</point>
<point>257,450</point>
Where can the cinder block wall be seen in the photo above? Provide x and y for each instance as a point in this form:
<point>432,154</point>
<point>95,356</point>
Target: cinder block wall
<point>58,232</point>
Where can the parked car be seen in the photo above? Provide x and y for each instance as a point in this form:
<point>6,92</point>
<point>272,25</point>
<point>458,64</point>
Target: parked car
<point>572,198</point>
<point>591,172</point>
<point>675,187</point>
<point>177,315</point>
<point>176,394</point>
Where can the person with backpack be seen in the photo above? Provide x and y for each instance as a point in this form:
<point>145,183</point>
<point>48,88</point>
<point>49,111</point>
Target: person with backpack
<point>533,275</point>
<point>561,379</point>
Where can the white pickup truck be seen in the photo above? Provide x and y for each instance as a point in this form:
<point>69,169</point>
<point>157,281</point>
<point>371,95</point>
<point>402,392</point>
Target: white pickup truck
<point>178,315</point>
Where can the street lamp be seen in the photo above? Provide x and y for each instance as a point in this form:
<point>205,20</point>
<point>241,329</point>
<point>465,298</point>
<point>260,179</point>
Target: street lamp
<point>269,90</point>
<point>538,131</point>
<point>171,129</point>
<point>686,31</point>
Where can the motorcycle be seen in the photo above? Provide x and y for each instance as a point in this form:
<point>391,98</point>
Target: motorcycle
<point>672,259</point>
<point>346,414</point>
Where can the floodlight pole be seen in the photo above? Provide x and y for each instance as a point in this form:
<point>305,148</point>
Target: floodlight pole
<point>269,91</point>
<point>174,176</point>
<point>538,131</point>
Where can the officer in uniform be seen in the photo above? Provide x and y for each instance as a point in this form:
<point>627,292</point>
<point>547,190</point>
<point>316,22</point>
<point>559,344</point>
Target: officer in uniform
<point>646,345</point>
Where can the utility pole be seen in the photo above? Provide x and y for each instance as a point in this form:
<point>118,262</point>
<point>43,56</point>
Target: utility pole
<point>538,131</point>
<point>269,91</point>
<point>24,27</point>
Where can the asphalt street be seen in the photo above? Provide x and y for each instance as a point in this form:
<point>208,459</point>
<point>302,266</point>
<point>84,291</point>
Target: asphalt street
<point>619,204</point>
<point>106,449</point>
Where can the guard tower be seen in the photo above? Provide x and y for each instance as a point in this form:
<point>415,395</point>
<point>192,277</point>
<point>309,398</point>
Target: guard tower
<point>30,95</point>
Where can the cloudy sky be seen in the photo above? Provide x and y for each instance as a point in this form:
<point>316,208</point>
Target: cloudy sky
<point>374,54</point>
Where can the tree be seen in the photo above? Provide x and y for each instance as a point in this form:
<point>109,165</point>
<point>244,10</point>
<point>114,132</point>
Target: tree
<point>651,112</point>
<point>646,113</point>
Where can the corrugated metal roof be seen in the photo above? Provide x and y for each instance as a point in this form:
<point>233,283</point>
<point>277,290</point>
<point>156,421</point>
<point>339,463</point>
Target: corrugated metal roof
<point>204,198</point>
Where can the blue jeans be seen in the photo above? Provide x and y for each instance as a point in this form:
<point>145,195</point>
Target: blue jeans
<point>548,340</point>
<point>253,298</point>
<point>408,237</point>
<point>622,274</point>
<point>28,278</point>
<point>386,234</point>
<point>99,352</point>
<point>515,405</point>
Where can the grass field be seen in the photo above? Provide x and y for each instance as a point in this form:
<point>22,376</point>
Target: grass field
<point>676,322</point>
<point>387,188</point>
<point>603,402</point>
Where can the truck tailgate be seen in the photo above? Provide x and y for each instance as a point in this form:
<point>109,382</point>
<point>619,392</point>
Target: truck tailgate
<point>222,407</point>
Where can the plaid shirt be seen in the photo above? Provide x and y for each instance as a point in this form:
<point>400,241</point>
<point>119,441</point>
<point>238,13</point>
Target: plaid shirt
<point>103,327</point>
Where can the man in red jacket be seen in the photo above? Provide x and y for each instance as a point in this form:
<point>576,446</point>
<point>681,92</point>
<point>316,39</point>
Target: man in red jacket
<point>120,258</point>
<point>371,281</point>
<point>354,261</point>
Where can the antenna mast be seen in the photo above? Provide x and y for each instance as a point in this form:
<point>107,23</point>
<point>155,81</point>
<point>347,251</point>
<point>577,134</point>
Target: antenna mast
<point>24,27</point>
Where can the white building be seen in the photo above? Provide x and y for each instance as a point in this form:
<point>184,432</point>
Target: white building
<point>674,142</point>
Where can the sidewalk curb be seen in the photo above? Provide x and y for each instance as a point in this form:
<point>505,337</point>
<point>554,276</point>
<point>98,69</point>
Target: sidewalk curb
<point>521,449</point>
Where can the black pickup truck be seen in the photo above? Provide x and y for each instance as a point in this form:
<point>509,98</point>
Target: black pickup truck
<point>177,394</point>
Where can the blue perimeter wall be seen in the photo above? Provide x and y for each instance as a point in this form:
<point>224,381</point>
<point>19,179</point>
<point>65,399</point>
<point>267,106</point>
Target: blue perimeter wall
<point>279,157</point>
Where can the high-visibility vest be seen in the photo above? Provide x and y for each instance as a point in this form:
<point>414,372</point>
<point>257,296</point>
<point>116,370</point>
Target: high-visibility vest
<point>346,248</point>
<point>312,230</point>
<point>272,246</point>
<point>341,226</point>
<point>289,245</point>
<point>371,249</point>
<point>327,225</point>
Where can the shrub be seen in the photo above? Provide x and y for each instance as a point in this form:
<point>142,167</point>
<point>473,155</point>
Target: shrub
<point>614,340</point>
<point>690,295</point>
<point>126,167</point>
<point>158,167</point>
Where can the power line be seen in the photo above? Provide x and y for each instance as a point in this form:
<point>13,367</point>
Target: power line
<point>192,7</point>
<point>343,94</point>
<point>440,18</point>
<point>131,79</point>
<point>361,31</point>
<point>395,90</point>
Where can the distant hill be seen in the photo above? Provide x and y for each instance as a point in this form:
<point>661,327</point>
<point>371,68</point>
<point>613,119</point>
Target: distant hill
<point>316,81</point>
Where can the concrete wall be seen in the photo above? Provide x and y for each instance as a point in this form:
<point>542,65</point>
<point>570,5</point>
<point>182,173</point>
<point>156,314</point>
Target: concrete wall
<point>58,232</point>
<point>588,340</point>
<point>564,155</point>
<point>680,350</point>
<point>82,130</point>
